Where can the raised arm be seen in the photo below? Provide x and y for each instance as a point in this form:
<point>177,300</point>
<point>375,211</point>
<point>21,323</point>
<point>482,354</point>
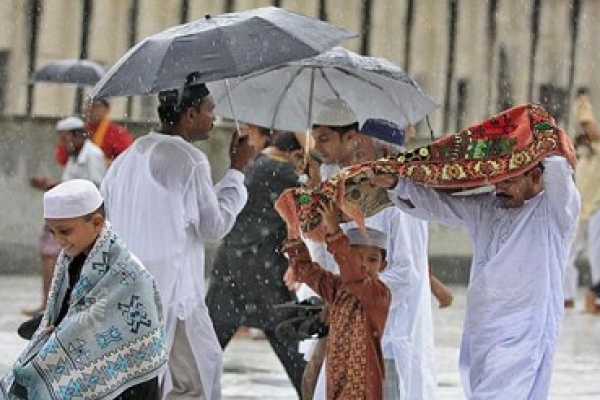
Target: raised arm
<point>560,187</point>
<point>323,282</point>
<point>406,253</point>
<point>433,205</point>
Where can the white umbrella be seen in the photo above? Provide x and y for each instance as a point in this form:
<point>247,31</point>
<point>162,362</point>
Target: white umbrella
<point>288,96</point>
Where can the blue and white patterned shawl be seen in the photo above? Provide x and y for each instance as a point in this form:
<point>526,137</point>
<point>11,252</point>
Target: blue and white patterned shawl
<point>111,339</point>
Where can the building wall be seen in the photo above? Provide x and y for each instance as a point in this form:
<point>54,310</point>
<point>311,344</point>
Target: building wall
<point>475,57</point>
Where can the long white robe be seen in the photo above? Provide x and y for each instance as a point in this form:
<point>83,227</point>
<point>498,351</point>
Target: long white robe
<point>515,298</point>
<point>408,335</point>
<point>160,198</point>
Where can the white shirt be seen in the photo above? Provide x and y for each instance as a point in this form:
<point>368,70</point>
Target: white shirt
<point>88,164</point>
<point>515,299</point>
<point>161,199</point>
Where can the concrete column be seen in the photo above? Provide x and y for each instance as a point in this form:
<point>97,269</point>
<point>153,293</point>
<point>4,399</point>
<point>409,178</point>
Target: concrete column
<point>587,56</point>
<point>387,31</point>
<point>198,9</point>
<point>309,8</point>
<point>151,20</point>
<point>429,56</point>
<point>514,34</point>
<point>59,38</point>
<point>471,63</point>
<point>553,60</point>
<point>243,5</point>
<point>346,14</point>
<point>13,38</point>
<point>108,41</point>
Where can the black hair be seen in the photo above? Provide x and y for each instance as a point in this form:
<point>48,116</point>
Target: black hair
<point>173,103</point>
<point>80,132</point>
<point>342,130</point>
<point>100,210</point>
<point>582,90</point>
<point>104,102</point>
<point>287,141</point>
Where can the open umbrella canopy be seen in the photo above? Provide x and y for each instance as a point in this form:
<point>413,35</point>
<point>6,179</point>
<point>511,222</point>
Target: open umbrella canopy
<point>288,96</point>
<point>71,71</point>
<point>223,46</point>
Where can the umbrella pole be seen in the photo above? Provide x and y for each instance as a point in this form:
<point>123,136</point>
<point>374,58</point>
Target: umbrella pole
<point>310,110</point>
<point>235,120</point>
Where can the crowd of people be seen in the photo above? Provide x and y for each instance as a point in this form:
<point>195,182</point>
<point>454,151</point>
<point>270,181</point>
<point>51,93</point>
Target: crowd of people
<point>123,252</point>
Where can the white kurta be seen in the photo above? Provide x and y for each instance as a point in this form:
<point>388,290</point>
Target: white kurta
<point>515,299</point>
<point>408,335</point>
<point>89,164</point>
<point>160,198</point>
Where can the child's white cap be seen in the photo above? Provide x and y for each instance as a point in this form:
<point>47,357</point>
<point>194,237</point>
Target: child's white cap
<point>373,237</point>
<point>72,199</point>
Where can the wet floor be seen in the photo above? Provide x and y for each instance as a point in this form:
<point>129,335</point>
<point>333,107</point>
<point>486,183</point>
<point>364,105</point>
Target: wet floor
<point>252,370</point>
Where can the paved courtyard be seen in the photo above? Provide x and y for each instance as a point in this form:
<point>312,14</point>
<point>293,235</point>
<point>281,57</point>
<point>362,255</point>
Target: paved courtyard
<point>252,371</point>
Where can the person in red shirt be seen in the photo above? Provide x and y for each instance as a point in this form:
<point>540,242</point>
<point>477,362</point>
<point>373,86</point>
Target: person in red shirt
<point>112,138</point>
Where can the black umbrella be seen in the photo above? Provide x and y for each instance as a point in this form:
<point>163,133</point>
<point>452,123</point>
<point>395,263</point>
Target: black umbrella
<point>223,46</point>
<point>72,71</point>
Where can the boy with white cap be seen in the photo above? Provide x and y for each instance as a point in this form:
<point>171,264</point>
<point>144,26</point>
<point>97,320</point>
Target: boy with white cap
<point>358,302</point>
<point>103,310</point>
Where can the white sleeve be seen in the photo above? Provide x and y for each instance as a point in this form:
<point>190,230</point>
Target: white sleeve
<point>212,210</point>
<point>97,169</point>
<point>562,192</point>
<point>433,205</point>
<point>402,270</point>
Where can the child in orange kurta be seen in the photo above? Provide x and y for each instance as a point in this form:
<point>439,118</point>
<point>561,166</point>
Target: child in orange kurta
<point>358,304</point>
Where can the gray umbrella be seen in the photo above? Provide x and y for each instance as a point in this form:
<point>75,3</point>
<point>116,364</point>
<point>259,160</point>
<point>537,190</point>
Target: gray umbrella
<point>288,96</point>
<point>71,71</point>
<point>224,46</point>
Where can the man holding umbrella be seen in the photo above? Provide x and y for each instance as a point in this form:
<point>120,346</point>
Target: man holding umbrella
<point>160,197</point>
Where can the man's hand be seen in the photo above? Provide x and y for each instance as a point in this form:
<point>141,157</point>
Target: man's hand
<point>384,181</point>
<point>289,278</point>
<point>40,182</point>
<point>240,151</point>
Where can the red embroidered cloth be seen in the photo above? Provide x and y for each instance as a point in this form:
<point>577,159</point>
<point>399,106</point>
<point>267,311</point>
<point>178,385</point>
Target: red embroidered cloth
<point>499,148</point>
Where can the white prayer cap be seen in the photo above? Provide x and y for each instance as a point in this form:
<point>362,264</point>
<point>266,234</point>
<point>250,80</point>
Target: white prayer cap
<point>69,124</point>
<point>335,112</point>
<point>373,237</point>
<point>72,199</point>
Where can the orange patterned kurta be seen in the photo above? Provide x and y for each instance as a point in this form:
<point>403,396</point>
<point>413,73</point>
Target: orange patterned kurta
<point>359,305</point>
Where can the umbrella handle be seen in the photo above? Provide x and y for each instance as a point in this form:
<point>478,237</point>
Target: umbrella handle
<point>310,111</point>
<point>229,98</point>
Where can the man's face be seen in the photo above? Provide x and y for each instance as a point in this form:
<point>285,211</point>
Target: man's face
<point>513,192</point>
<point>371,257</point>
<point>96,111</point>
<point>76,235</point>
<point>73,142</point>
<point>257,139</point>
<point>202,118</point>
<point>330,145</point>
<point>364,151</point>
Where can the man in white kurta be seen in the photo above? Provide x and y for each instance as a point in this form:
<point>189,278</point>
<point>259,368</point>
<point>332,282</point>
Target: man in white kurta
<point>515,298</point>
<point>407,341</point>
<point>161,199</point>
